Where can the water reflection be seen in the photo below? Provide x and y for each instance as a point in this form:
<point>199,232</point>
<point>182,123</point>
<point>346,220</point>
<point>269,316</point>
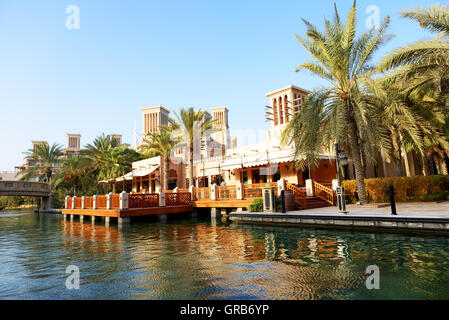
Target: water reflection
<point>204,259</point>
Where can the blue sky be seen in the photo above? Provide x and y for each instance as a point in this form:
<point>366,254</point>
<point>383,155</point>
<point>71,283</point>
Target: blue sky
<point>132,54</point>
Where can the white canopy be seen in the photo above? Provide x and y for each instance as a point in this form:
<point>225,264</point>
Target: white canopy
<point>144,172</point>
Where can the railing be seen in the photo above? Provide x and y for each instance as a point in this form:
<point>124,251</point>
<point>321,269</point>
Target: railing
<point>147,200</point>
<point>300,195</point>
<point>89,202</point>
<point>201,193</point>
<point>69,203</point>
<point>184,190</point>
<point>254,190</point>
<point>115,201</point>
<point>226,193</point>
<point>177,199</point>
<point>101,202</point>
<point>78,203</point>
<point>323,192</point>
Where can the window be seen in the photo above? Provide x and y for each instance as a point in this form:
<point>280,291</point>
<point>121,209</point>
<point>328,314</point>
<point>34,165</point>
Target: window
<point>275,112</point>
<point>277,175</point>
<point>244,177</point>
<point>281,113</point>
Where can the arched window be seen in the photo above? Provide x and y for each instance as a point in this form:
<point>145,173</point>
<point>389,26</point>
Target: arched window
<point>281,112</point>
<point>275,112</point>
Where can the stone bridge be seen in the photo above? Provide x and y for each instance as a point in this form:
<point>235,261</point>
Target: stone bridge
<point>27,189</point>
<point>24,188</point>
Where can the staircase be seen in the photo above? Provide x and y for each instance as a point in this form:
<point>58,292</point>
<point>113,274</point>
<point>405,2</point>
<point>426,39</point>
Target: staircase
<point>315,202</point>
<point>323,196</point>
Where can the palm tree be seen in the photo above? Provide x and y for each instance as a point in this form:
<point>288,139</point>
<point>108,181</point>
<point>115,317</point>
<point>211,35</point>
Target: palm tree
<point>71,171</point>
<point>46,159</point>
<point>427,56</point>
<point>107,159</point>
<point>423,67</point>
<point>338,113</point>
<point>190,127</point>
<point>160,143</point>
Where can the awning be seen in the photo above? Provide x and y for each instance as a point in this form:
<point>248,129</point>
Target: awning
<point>144,172</point>
<point>126,177</point>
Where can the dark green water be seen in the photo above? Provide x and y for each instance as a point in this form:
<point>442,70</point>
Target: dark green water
<point>197,259</point>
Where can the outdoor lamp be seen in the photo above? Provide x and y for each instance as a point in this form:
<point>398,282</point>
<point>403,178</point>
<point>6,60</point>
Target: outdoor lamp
<point>344,160</point>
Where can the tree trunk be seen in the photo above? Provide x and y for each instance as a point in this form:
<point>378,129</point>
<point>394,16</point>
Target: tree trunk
<point>425,166</point>
<point>437,163</point>
<point>443,166</point>
<point>404,156</point>
<point>407,166</point>
<point>114,188</point>
<point>398,165</point>
<point>355,151</point>
<point>166,172</point>
<point>384,166</point>
<point>191,181</point>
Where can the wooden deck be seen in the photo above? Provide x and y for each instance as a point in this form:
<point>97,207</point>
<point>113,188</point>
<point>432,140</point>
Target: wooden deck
<point>116,213</point>
<point>221,203</point>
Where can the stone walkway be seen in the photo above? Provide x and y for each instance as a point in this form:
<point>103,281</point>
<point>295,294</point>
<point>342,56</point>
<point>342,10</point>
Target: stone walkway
<point>422,209</point>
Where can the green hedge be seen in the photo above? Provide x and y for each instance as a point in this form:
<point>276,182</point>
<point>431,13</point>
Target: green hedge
<point>257,205</point>
<point>418,188</point>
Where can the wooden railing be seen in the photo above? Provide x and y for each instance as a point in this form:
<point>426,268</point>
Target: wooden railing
<point>251,191</point>
<point>78,203</point>
<point>69,203</point>
<point>101,202</point>
<point>147,200</point>
<point>323,192</point>
<point>89,202</point>
<point>226,193</point>
<point>184,190</point>
<point>300,195</point>
<point>115,201</point>
<point>177,199</point>
<point>201,193</point>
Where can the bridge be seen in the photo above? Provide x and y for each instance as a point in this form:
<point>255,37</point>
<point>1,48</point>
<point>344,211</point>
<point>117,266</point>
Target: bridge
<point>27,189</point>
<point>24,188</point>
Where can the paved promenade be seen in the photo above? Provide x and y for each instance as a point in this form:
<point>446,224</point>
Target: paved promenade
<point>428,217</point>
<point>424,209</point>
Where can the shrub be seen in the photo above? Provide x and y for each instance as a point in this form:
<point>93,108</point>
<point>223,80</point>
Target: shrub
<point>256,205</point>
<point>440,196</point>
<point>415,188</point>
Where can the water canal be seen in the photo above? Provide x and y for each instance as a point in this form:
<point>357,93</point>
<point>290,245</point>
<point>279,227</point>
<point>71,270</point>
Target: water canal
<point>204,259</point>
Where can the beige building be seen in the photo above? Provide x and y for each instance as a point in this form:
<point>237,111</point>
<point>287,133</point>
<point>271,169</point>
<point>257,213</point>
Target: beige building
<point>221,161</point>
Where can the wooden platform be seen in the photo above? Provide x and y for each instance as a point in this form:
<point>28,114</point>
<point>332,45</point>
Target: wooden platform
<point>221,203</point>
<point>128,213</point>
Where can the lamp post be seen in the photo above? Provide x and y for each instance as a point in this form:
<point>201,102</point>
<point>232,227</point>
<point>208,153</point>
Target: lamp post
<point>341,200</point>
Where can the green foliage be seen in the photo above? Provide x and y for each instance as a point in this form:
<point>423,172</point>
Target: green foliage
<point>340,113</point>
<point>256,205</point>
<point>45,158</point>
<point>16,201</point>
<point>417,188</point>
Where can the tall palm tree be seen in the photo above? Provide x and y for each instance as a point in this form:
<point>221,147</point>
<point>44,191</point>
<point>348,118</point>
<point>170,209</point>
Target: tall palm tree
<point>71,172</point>
<point>107,159</point>
<point>339,112</point>
<point>46,158</point>
<point>191,127</point>
<point>424,69</point>
<point>160,143</point>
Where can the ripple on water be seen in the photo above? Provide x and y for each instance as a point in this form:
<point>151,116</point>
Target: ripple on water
<point>195,260</point>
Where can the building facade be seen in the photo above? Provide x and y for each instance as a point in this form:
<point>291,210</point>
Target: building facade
<point>222,162</point>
